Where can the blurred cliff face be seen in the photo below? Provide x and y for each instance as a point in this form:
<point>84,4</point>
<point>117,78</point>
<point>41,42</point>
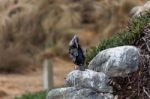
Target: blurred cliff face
<point>27,26</point>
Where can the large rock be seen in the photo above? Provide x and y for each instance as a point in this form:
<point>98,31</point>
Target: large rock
<point>118,61</point>
<point>75,93</point>
<point>89,79</point>
<point>140,10</point>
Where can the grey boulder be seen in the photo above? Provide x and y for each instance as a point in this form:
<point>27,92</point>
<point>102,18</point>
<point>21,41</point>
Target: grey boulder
<point>140,10</point>
<point>75,93</point>
<point>88,79</point>
<point>118,61</point>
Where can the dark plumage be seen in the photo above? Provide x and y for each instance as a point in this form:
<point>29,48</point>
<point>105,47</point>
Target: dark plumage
<point>76,52</point>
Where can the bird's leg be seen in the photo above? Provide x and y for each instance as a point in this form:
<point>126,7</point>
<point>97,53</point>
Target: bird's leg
<point>76,67</point>
<point>81,68</point>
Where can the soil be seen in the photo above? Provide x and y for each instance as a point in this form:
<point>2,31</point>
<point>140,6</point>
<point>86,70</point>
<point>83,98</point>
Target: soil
<point>13,85</point>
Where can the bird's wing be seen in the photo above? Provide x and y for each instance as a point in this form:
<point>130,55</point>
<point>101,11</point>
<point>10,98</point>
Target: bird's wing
<point>73,52</point>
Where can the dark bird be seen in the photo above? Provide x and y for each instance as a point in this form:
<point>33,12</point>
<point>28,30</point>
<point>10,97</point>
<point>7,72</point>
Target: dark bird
<point>76,52</point>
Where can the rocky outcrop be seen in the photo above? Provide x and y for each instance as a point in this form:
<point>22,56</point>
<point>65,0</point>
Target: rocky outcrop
<point>118,61</point>
<point>77,93</point>
<point>92,83</point>
<point>97,81</point>
<point>86,84</point>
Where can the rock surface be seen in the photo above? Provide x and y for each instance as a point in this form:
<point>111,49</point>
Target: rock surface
<point>118,61</point>
<point>89,79</point>
<point>140,10</point>
<point>75,93</point>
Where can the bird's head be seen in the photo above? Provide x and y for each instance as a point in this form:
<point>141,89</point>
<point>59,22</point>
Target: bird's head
<point>74,43</point>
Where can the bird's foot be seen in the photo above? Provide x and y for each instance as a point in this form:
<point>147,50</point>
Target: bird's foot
<point>81,68</point>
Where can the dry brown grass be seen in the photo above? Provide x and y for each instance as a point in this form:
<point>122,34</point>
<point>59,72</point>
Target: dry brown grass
<point>101,16</point>
<point>21,35</point>
<point>13,60</point>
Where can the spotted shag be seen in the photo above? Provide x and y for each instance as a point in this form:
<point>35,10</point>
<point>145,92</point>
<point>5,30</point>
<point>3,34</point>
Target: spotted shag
<point>76,52</point>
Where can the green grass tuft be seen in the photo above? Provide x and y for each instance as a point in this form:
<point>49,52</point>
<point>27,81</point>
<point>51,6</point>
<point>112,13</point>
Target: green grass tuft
<point>127,37</point>
<point>38,95</point>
